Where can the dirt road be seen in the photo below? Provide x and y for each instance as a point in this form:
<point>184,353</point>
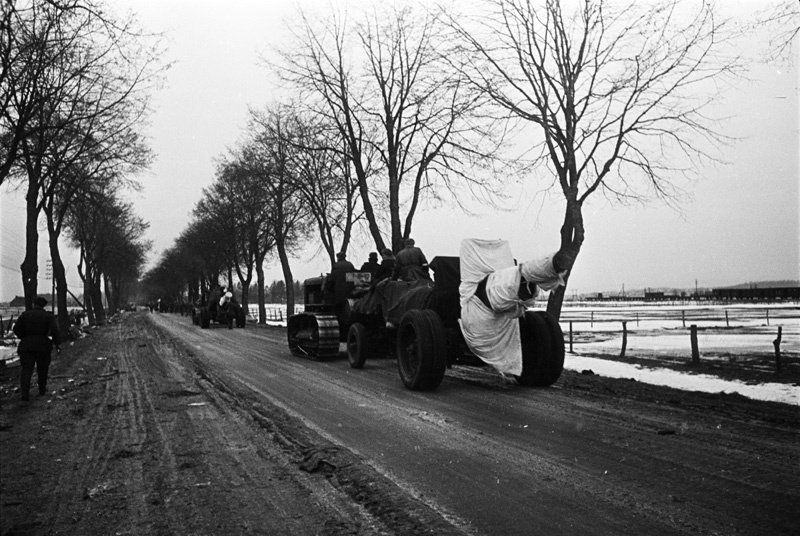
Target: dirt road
<point>158,427</point>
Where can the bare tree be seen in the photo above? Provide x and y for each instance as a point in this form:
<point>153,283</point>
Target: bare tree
<point>783,21</point>
<point>217,212</point>
<point>110,238</point>
<point>324,177</point>
<point>76,90</point>
<point>123,256</point>
<point>269,157</point>
<point>616,94</point>
<point>398,107</point>
<point>251,235</point>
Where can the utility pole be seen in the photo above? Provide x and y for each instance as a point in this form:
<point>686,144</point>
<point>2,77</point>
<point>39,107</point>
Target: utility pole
<point>52,285</point>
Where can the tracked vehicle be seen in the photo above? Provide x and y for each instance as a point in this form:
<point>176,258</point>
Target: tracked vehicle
<point>415,322</point>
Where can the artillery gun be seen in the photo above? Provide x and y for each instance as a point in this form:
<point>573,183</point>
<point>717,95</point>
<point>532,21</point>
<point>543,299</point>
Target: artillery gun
<point>417,322</point>
<point>229,314</point>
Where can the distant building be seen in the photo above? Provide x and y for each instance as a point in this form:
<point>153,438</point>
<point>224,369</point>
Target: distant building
<point>19,301</point>
<point>757,293</point>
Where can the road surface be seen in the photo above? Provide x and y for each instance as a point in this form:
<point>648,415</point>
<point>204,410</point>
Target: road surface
<point>587,456</point>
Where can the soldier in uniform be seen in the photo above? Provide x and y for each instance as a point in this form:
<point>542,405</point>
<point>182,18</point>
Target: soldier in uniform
<point>38,332</point>
<point>410,263</point>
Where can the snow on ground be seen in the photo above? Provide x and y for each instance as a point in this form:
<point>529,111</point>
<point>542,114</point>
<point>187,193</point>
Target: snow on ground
<point>771,392</point>
<point>724,332</point>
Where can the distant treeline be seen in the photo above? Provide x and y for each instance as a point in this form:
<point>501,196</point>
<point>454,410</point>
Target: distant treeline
<point>275,292</point>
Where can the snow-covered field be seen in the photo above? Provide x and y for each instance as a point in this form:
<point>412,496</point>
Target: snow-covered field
<point>724,333</point>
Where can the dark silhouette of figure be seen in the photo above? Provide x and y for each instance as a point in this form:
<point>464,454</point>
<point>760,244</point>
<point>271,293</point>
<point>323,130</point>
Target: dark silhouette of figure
<point>38,332</point>
<point>410,263</point>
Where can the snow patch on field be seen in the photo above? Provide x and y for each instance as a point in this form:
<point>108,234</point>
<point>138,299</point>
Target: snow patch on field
<point>771,392</point>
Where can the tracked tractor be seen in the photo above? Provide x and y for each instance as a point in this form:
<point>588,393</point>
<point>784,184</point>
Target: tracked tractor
<point>429,325</point>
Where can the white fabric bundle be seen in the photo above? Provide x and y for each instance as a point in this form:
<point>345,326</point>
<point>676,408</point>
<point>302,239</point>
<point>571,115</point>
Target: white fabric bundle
<point>493,334</point>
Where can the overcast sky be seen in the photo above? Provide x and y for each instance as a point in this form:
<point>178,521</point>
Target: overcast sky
<point>742,225</point>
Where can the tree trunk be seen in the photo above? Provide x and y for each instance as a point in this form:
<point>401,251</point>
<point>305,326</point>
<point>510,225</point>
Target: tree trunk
<point>97,300</point>
<point>109,297</point>
<point>87,304</point>
<point>288,278</point>
<point>572,234</point>
<point>556,300</point>
<point>30,267</point>
<point>59,275</point>
<point>87,301</point>
<point>262,309</point>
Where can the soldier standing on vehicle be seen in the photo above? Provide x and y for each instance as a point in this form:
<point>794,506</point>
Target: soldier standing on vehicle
<point>342,264</point>
<point>38,332</point>
<point>387,265</point>
<point>410,263</point>
<point>371,265</point>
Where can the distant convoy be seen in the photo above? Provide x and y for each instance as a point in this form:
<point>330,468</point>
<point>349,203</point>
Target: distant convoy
<point>420,323</point>
<point>476,310</point>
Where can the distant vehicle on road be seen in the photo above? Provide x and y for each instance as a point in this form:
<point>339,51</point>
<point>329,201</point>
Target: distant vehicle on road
<point>219,310</point>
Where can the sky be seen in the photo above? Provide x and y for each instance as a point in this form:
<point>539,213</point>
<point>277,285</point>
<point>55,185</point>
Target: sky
<point>741,226</point>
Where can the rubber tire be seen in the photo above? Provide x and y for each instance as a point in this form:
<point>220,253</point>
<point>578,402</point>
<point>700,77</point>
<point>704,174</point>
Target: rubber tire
<point>421,350</point>
<point>357,345</point>
<point>542,349</point>
<point>205,318</point>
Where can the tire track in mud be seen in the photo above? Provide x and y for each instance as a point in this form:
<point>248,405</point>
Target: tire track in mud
<point>149,445</point>
<point>345,474</point>
<point>305,473</point>
<point>118,437</point>
<point>687,463</point>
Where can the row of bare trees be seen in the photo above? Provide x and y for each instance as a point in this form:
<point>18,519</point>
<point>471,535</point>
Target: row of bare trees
<point>74,89</point>
<point>398,105</point>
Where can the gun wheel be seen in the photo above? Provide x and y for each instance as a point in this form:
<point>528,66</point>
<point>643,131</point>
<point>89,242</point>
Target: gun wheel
<point>542,349</point>
<point>357,345</point>
<point>421,350</point>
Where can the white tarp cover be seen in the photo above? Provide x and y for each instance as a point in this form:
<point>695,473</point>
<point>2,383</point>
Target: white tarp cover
<point>493,334</point>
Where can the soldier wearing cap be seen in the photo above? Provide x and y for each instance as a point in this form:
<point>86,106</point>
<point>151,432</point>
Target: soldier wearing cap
<point>410,263</point>
<point>372,266</point>
<point>38,332</point>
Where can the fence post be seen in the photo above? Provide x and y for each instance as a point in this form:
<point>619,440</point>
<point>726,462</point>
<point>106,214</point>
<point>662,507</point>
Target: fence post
<point>592,321</point>
<point>695,350</point>
<point>570,336</point>
<point>768,317</point>
<point>727,324</point>
<point>683,318</point>
<point>777,344</point>
<point>624,338</point>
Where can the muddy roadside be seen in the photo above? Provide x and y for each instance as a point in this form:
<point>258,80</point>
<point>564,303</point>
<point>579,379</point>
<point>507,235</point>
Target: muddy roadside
<point>134,437</point>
